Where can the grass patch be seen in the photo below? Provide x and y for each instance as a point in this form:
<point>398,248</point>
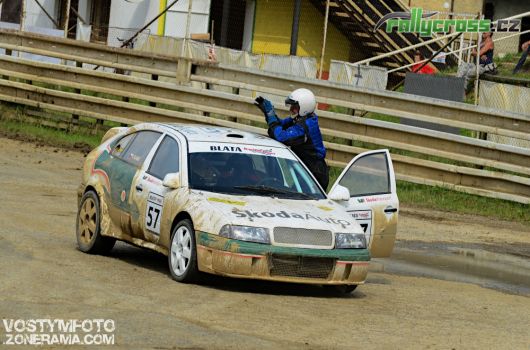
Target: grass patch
<point>383,117</point>
<point>506,64</point>
<point>83,140</point>
<point>447,200</point>
<point>48,135</point>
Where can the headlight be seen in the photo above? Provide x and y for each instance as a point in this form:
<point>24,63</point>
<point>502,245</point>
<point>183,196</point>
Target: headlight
<point>350,240</point>
<point>246,233</point>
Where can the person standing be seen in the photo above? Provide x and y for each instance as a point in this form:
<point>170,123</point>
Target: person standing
<point>300,131</point>
<point>426,69</point>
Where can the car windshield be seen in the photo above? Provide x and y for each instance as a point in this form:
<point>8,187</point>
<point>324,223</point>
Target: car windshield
<point>251,174</point>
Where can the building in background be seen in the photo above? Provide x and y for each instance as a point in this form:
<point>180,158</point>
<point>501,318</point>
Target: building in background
<point>258,26</point>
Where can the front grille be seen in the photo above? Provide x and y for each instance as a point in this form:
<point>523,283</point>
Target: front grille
<point>302,236</point>
<point>295,266</point>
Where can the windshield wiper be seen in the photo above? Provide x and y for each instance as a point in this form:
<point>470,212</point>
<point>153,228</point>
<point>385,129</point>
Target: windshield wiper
<point>268,189</point>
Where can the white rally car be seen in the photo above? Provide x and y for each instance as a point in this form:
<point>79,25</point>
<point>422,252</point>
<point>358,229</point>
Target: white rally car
<point>233,203</point>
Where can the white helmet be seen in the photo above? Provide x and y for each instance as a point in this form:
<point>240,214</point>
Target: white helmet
<point>305,100</point>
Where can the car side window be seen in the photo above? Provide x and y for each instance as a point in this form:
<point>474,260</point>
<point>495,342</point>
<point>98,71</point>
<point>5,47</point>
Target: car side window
<point>140,147</point>
<point>166,159</point>
<point>120,147</point>
<point>368,175</point>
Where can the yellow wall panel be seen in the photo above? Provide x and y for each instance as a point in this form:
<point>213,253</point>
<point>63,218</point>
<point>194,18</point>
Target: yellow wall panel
<point>272,31</point>
<point>429,5</point>
<point>468,6</point>
<point>459,6</point>
<point>272,27</point>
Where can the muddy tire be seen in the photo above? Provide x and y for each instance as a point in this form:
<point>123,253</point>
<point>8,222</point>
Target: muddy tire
<point>182,255</point>
<point>89,238</point>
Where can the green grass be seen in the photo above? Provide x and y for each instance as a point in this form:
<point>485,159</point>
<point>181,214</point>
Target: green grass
<point>383,117</point>
<point>72,140</point>
<point>48,135</point>
<point>447,200</point>
<point>506,64</point>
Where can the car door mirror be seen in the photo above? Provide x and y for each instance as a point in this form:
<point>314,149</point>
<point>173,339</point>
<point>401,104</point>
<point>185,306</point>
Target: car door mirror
<point>172,180</point>
<point>339,193</point>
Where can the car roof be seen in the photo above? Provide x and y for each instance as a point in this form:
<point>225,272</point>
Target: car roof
<point>206,133</point>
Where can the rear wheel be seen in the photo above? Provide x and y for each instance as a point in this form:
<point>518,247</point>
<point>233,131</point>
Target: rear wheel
<point>182,257</point>
<point>89,238</point>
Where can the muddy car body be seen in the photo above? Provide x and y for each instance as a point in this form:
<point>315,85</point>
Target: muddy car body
<point>233,203</point>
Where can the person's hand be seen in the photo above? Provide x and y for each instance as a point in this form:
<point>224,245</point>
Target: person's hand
<point>525,45</point>
<point>264,104</point>
<point>484,57</point>
<point>268,110</point>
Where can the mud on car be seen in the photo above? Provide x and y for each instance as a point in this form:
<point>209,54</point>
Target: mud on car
<point>227,202</point>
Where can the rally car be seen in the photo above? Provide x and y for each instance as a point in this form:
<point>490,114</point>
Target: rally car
<point>228,202</point>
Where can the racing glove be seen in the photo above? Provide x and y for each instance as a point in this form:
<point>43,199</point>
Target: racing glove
<point>268,110</point>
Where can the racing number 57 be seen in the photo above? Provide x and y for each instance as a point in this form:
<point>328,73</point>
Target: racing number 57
<point>150,223</point>
<point>152,217</point>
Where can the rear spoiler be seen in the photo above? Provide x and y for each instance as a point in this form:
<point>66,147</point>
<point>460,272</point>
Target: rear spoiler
<point>113,132</point>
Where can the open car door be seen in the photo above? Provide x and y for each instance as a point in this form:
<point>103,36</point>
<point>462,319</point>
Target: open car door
<point>373,200</point>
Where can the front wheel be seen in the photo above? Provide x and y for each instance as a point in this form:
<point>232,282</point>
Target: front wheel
<point>89,238</point>
<point>182,257</point>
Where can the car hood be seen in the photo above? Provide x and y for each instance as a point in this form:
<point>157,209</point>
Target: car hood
<point>272,212</point>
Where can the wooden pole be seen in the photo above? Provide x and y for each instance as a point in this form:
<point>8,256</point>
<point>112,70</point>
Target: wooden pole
<point>326,17</point>
<point>67,17</point>
<point>23,16</point>
<point>477,62</point>
<point>187,34</point>
<point>78,15</point>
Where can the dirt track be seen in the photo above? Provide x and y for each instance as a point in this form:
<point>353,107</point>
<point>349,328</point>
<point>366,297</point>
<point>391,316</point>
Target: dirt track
<point>43,275</point>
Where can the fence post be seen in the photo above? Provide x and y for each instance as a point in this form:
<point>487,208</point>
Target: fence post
<point>75,117</point>
<point>155,78</point>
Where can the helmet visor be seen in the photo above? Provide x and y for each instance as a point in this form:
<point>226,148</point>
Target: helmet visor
<point>290,102</point>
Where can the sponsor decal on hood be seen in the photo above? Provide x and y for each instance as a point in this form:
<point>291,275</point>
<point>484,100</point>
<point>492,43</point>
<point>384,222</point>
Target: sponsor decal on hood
<point>251,215</point>
<point>226,201</point>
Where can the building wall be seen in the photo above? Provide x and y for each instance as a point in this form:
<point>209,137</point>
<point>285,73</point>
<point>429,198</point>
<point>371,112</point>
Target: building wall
<point>125,14</point>
<point>84,10</point>
<point>468,6</point>
<point>272,32</point>
<point>176,18</point>
<point>459,6</point>
<point>504,9</point>
<point>508,8</point>
<point>35,17</point>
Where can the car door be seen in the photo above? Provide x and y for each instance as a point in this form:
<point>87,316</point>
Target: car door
<point>373,202</point>
<point>149,191</point>
<point>122,166</point>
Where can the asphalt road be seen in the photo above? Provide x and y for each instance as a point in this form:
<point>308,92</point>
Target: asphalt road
<point>43,275</point>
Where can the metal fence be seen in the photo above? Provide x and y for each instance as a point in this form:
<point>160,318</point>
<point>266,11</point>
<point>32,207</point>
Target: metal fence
<point>423,156</point>
<point>507,97</point>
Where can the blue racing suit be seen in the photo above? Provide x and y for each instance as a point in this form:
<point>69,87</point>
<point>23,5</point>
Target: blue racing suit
<point>303,135</point>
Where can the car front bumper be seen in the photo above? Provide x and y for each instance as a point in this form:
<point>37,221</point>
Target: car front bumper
<point>234,258</point>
